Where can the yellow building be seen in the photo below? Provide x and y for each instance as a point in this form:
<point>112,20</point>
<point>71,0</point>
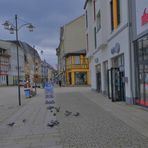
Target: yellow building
<point>73,66</point>
<point>77,68</point>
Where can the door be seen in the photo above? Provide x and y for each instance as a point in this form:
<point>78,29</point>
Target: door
<point>7,79</point>
<point>69,76</point>
<point>98,78</point>
<point>116,86</point>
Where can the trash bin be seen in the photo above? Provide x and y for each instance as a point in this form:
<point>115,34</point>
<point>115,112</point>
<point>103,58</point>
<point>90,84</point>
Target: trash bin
<point>27,93</point>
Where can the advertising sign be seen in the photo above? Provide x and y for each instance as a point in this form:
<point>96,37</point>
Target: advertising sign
<point>141,16</point>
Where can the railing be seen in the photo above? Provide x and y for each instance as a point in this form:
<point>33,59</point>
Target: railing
<point>77,66</point>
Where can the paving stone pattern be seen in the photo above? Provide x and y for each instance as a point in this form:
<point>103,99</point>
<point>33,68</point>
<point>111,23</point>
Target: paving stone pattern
<point>31,132</point>
<point>95,127</point>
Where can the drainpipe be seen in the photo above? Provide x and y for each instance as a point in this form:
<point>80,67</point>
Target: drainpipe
<point>130,9</point>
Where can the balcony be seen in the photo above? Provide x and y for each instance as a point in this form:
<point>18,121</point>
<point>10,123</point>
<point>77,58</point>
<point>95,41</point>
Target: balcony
<point>77,66</point>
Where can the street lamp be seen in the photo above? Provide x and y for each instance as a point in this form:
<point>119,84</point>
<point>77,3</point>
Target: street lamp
<point>15,28</point>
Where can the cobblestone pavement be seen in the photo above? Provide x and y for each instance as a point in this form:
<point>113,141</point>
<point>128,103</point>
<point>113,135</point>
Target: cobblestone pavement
<point>9,101</point>
<point>30,129</point>
<point>95,127</point>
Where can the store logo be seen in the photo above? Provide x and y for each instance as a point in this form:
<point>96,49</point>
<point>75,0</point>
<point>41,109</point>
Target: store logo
<point>116,48</point>
<point>144,18</point>
<point>96,60</point>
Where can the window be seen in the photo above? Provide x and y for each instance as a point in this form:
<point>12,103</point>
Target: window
<point>111,13</point>
<point>118,12</point>
<point>115,14</point>
<point>77,59</point>
<point>95,38</point>
<point>87,42</point>
<point>98,21</point>
<point>94,2</point>
<point>80,78</point>
<point>86,15</point>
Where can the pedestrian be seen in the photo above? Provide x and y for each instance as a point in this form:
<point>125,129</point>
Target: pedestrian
<point>60,83</point>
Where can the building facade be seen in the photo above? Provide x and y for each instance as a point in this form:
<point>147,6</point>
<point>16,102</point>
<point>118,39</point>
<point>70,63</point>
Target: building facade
<point>108,48</point>
<point>4,66</point>
<point>72,40</point>
<point>77,68</point>
<point>29,63</point>
<point>9,48</point>
<point>139,12</point>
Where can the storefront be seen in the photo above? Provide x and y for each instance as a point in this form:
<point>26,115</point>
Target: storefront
<point>116,79</point>
<point>80,78</point>
<point>141,52</point>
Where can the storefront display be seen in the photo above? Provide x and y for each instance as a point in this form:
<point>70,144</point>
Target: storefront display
<point>142,70</point>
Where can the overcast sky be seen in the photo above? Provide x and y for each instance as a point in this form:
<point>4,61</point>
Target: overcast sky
<point>46,15</point>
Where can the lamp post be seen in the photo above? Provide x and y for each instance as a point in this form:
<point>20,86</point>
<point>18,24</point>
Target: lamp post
<point>15,28</point>
<point>35,70</point>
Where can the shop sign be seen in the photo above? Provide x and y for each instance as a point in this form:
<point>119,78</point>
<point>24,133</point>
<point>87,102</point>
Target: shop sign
<point>141,11</point>
<point>116,48</point>
<point>144,17</point>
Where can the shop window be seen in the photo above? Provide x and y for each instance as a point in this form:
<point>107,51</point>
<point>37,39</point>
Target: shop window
<point>80,78</point>
<point>142,71</point>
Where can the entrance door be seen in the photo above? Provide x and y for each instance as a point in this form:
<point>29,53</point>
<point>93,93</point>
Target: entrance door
<point>116,87</point>
<point>98,76</point>
<point>7,80</point>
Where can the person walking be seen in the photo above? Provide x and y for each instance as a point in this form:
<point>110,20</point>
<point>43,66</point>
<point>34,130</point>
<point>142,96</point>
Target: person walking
<point>60,83</point>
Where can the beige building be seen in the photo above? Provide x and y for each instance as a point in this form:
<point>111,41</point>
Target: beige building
<point>72,40</point>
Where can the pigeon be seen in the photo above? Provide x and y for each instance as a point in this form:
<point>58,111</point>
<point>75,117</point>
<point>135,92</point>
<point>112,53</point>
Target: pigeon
<point>54,114</point>
<point>46,102</point>
<point>11,124</point>
<point>51,102</point>
<point>76,114</point>
<point>56,122</point>
<point>50,124</point>
<point>24,120</point>
<point>67,113</point>
<point>53,123</point>
<point>57,109</point>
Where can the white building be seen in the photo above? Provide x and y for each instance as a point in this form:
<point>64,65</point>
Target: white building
<point>139,17</point>
<point>108,45</point>
<point>10,78</point>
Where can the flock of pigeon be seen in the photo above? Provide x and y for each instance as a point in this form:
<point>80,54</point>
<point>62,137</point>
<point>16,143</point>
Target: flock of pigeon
<point>11,124</point>
<point>53,109</point>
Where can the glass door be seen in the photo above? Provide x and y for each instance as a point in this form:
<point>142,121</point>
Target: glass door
<point>116,88</point>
